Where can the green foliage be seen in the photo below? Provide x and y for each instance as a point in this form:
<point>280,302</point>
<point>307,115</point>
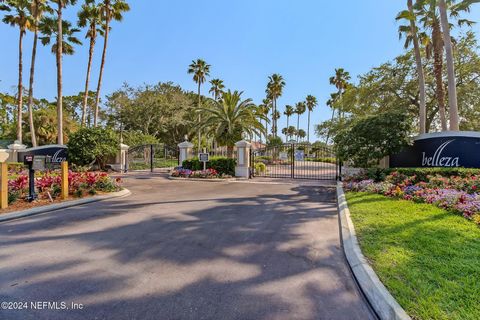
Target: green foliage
<point>274,142</point>
<point>371,138</point>
<point>138,138</point>
<point>426,257</point>
<point>222,165</point>
<point>260,168</point>
<point>90,145</point>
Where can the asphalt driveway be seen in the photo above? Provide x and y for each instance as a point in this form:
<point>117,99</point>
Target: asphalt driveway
<point>177,250</point>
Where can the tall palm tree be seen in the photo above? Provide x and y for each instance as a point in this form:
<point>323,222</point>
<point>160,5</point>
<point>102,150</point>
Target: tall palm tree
<point>217,88</point>
<point>37,9</point>
<point>410,32</point>
<point>231,118</point>
<point>89,16</point>
<point>311,102</point>
<point>109,10</point>
<point>20,19</point>
<point>59,51</point>
<point>289,111</point>
<point>265,111</point>
<point>65,40</point>
<point>340,81</point>
<point>200,70</point>
<point>300,109</point>
<point>301,134</point>
<point>292,131</point>
<point>274,90</point>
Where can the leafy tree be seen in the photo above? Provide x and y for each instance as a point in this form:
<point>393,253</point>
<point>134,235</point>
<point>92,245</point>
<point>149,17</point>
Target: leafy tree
<point>357,144</point>
<point>217,88</point>
<point>230,118</point>
<point>275,87</point>
<point>137,138</point>
<point>274,142</point>
<point>200,71</point>
<point>109,10</point>
<point>311,103</point>
<point>92,145</point>
<point>19,18</point>
<point>89,16</point>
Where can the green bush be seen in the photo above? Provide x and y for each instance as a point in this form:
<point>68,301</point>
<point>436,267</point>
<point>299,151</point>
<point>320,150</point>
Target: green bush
<point>260,168</point>
<point>324,160</point>
<point>92,145</point>
<point>222,165</point>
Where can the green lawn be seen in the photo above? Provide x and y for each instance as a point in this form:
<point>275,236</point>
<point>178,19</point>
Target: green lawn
<point>429,259</point>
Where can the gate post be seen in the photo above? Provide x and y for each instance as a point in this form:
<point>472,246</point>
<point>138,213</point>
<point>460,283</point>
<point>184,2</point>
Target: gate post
<point>185,151</point>
<point>242,169</point>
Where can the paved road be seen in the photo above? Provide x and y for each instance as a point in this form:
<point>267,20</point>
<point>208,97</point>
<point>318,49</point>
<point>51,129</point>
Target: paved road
<point>177,250</point>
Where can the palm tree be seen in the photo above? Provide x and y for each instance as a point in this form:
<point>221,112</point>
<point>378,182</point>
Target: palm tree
<point>20,19</point>
<point>109,10</point>
<point>289,111</point>
<point>292,131</point>
<point>302,134</point>
<point>231,118</point>
<point>300,109</point>
<point>410,32</point>
<point>274,91</point>
<point>89,16</point>
<point>275,116</point>
<point>65,40</point>
<point>340,81</point>
<point>217,88</point>
<point>311,102</point>
<point>265,111</point>
<point>200,70</point>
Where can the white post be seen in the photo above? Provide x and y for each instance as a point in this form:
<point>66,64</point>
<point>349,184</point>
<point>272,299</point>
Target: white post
<point>185,151</point>
<point>242,169</point>
<point>123,157</point>
<point>15,148</point>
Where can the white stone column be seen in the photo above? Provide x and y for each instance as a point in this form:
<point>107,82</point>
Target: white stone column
<point>242,169</point>
<point>185,151</point>
<point>15,148</point>
<point>123,157</point>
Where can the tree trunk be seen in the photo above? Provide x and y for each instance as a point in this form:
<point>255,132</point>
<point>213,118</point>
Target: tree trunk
<point>421,75</point>
<point>230,152</point>
<point>298,124</point>
<point>199,119</point>
<point>20,87</point>
<point>30,88</point>
<point>328,130</point>
<point>438,70</point>
<point>87,80</point>
<point>452,86</point>
<point>102,67</point>
<point>308,129</point>
<point>266,130</point>
<point>59,76</point>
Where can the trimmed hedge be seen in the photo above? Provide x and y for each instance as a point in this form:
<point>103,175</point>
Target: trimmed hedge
<point>222,165</point>
<point>378,174</point>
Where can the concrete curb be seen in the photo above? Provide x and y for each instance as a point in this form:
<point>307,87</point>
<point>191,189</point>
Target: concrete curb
<point>67,204</point>
<point>386,307</point>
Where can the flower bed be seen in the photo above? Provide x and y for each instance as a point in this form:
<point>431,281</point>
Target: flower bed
<point>48,185</point>
<point>457,194</point>
<point>199,174</point>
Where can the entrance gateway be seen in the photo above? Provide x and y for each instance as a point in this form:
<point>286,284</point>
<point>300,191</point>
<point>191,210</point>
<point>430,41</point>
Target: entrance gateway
<point>295,161</point>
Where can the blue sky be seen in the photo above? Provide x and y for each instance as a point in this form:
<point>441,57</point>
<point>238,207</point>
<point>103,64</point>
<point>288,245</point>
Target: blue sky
<point>244,41</point>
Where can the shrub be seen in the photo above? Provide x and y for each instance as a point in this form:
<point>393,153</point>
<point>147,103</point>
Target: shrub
<point>260,168</point>
<point>421,174</point>
<point>90,145</point>
<point>224,166</point>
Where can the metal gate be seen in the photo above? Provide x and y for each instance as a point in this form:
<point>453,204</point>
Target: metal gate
<point>295,161</point>
<point>151,157</point>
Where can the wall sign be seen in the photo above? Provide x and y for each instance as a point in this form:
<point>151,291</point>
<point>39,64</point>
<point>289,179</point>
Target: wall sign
<point>446,149</point>
<point>57,153</point>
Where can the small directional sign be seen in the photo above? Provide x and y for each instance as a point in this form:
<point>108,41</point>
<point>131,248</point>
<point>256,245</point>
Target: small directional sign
<point>203,157</point>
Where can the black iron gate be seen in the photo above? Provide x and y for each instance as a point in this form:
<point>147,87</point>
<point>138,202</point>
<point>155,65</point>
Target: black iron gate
<point>295,161</point>
<point>151,157</point>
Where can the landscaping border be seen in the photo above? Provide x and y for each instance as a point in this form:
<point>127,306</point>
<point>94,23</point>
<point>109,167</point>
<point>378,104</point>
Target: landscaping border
<point>384,304</point>
<point>62,205</point>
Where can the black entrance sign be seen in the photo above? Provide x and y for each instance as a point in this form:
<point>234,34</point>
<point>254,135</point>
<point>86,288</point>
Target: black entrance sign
<point>449,150</point>
<point>56,153</point>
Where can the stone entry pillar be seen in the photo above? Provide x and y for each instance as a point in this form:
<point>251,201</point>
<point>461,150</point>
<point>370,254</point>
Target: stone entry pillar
<point>185,151</point>
<point>14,149</point>
<point>123,157</point>
<point>242,168</point>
